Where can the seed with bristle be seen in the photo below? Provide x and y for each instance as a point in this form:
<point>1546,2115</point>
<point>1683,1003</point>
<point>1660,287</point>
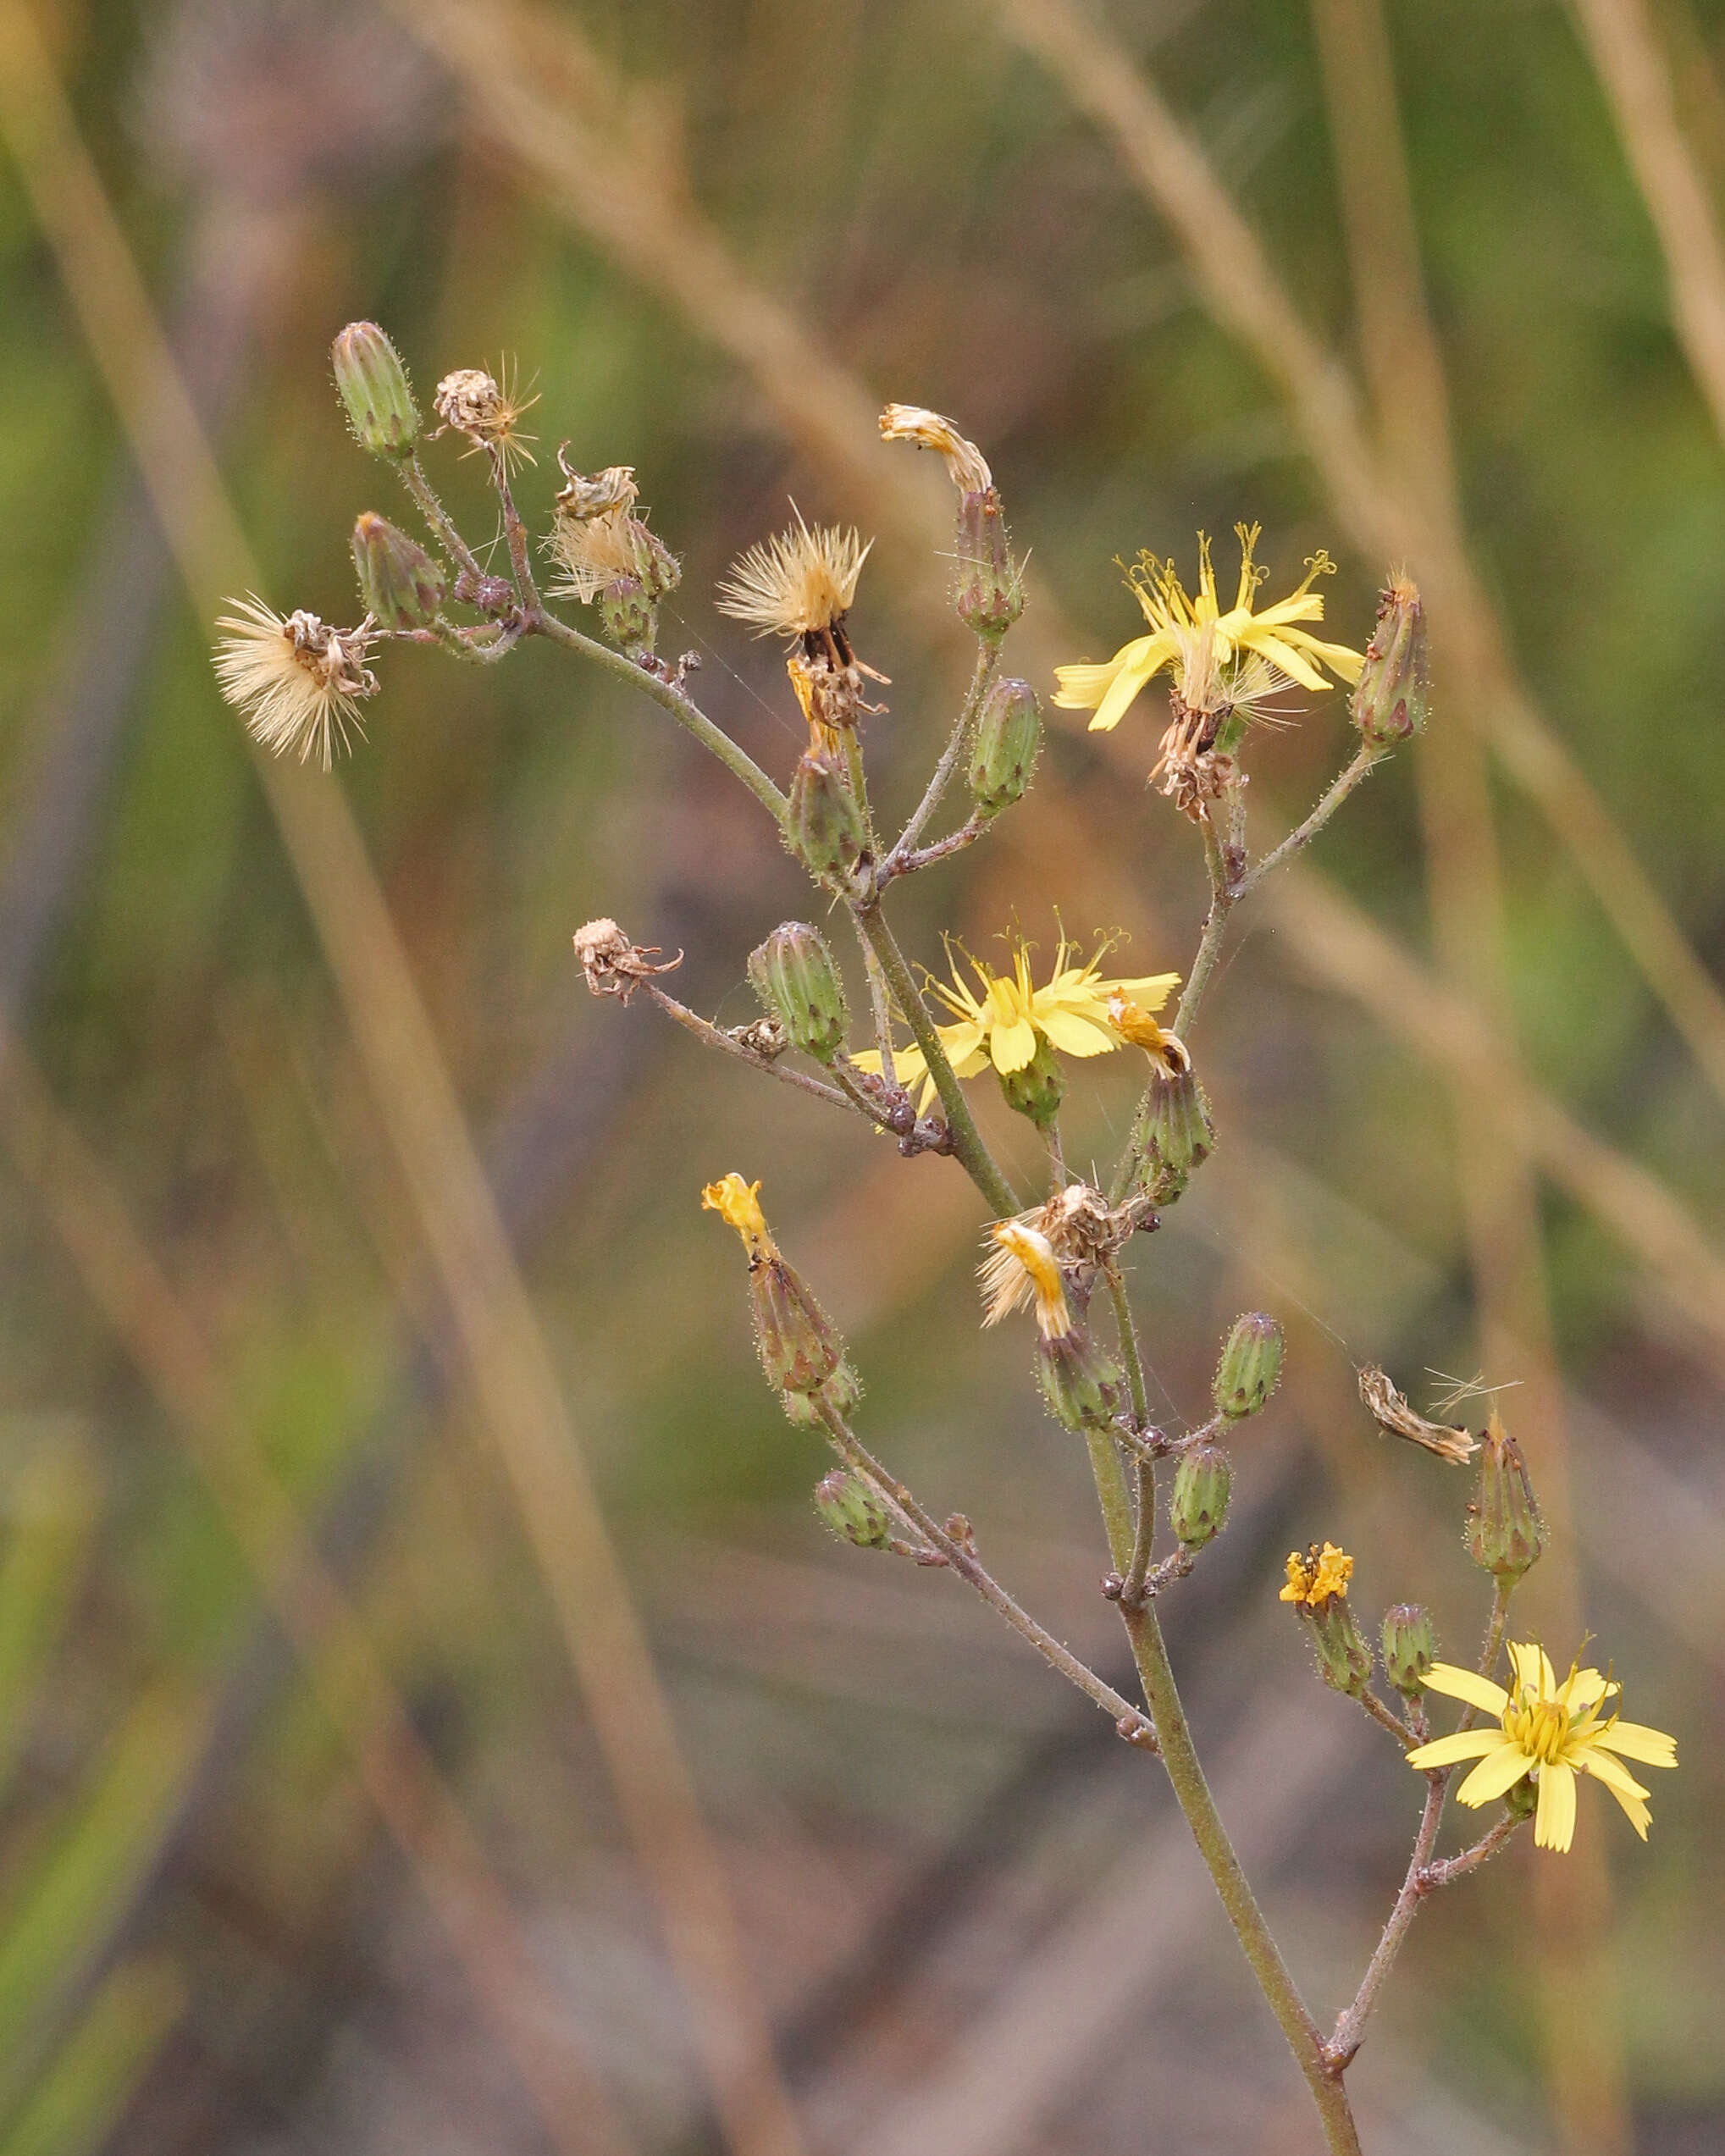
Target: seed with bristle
<point>798,582</point>
<point>296,681</point>
<point>487,412</point>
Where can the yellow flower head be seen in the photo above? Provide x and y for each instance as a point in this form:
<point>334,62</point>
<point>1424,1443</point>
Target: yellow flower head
<point>1020,1269</point>
<point>1550,1731</point>
<point>800,583</point>
<point>296,680</point>
<point>999,1020</point>
<point>736,1202</point>
<point>1218,661</point>
<point>1319,1577</point>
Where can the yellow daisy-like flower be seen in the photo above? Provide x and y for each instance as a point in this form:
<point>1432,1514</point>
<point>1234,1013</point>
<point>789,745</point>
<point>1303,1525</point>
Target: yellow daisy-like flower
<point>1551,1731</point>
<point>1319,1577</point>
<point>1217,660</point>
<point>1000,1025</point>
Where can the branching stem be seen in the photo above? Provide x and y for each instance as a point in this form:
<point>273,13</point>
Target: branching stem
<point>987,661</point>
<point>1338,790</point>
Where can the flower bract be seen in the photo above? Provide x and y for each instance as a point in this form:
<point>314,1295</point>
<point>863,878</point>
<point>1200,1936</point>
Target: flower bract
<point>999,1020</point>
<point>1217,660</point>
<point>1551,1731</point>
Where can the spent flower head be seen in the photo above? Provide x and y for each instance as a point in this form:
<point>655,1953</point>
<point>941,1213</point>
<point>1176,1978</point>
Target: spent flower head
<point>966,466</point>
<point>1004,1018</point>
<point>296,681</point>
<point>488,412</point>
<point>1021,1270</point>
<point>800,583</point>
<point>1547,1731</point>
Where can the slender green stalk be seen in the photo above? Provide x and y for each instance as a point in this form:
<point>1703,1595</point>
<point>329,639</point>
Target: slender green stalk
<point>1338,790</point>
<point>1144,1539</point>
<point>978,1162</point>
<point>982,678</point>
<point>1350,2031</point>
<point>431,508</point>
<point>1386,1718</point>
<point>1215,930</point>
<point>1494,1642</point>
<point>714,1036</point>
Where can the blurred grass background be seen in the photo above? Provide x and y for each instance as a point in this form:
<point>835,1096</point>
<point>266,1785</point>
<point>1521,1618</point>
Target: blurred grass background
<point>411,1888</point>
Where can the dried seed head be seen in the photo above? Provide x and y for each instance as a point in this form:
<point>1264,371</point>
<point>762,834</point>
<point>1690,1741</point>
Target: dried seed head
<point>1390,1410</point>
<point>800,583</point>
<point>1023,1268</point>
<point>966,466</point>
<point>613,965</point>
<point>487,412</point>
<point>296,680</point>
<point>588,496</point>
<point>373,387</point>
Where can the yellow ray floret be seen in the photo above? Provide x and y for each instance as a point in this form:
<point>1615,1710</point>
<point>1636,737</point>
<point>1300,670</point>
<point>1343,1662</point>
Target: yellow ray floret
<point>1000,1021</point>
<point>738,1203</point>
<point>1021,1269</point>
<point>1551,1731</point>
<point>1217,660</point>
<point>1317,1577</point>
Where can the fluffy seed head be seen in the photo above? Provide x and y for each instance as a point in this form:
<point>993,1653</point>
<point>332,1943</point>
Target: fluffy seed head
<point>797,583</point>
<point>296,681</point>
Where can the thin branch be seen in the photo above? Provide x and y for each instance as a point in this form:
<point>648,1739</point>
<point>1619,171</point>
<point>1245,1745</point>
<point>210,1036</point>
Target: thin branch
<point>714,1037</point>
<point>1350,2025</point>
<point>899,864</point>
<point>1337,792</point>
<point>1447,1869</point>
<point>1386,1718</point>
<point>987,661</point>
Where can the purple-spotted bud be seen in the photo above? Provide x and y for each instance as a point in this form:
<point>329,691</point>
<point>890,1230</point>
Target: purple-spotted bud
<point>1505,1534</point>
<point>794,974</point>
<point>1198,1509</point>
<point>841,1392</point>
<point>1174,1133</point>
<point>1251,1366</point>
<point>822,822</point>
<point>1409,1641</point>
<point>1394,694</point>
<point>401,586</point>
<point>1003,755</point>
<point>373,387</point>
<point>1080,1381</point>
<point>990,595</point>
<point>1038,1089</point>
<point>853,1509</point>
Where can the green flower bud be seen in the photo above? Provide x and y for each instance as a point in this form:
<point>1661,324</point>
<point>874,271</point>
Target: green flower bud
<point>628,615</point>
<point>1410,1647</point>
<point>1003,755</point>
<point>990,594</point>
<point>794,974</point>
<point>1198,1511</point>
<point>1521,1801</point>
<point>1344,1658</point>
<point>800,1349</point>
<point>374,386</point>
<point>1251,1365</point>
<point>1080,1381</point>
<point>822,821</point>
<point>1174,1133</point>
<point>1036,1090</point>
<point>1394,693</point>
<point>853,1509</point>
<point>841,1393</point>
<point>401,586</point>
<point>1506,1535</point>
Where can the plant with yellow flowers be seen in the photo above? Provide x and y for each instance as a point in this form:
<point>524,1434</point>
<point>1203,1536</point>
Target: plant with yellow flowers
<point>1063,1256</point>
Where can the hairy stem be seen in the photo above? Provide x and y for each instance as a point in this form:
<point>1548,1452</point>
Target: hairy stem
<point>1338,789</point>
<point>1350,2025</point>
<point>714,1036</point>
<point>1386,1718</point>
<point>1214,930</point>
<point>431,508</point>
<point>962,1560</point>
<point>987,661</point>
<point>520,549</point>
<point>1494,1642</point>
<point>1447,1869</point>
<point>978,1162</point>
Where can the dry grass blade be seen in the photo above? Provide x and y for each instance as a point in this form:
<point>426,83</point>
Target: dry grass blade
<point>523,1409</point>
<point>1633,66</point>
<point>1241,290</point>
<point>399,1775</point>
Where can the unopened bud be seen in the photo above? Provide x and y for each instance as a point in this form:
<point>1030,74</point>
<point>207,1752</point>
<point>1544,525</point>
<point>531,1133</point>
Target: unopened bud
<point>1250,1367</point>
<point>853,1509</point>
<point>628,615</point>
<point>374,386</point>
<point>1174,1133</point>
<point>1410,1647</point>
<point>1198,1508</point>
<point>1036,1090</point>
<point>990,594</point>
<point>822,821</point>
<point>1003,755</point>
<point>800,1349</point>
<point>1394,693</point>
<point>841,1392</point>
<point>1504,1533</point>
<point>401,586</point>
<point>794,974</point>
<point>1080,1381</point>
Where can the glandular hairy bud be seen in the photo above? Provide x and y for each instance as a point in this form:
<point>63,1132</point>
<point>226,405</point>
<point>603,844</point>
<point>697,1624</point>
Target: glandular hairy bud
<point>1174,1132</point>
<point>853,1509</point>
<point>1036,1090</point>
<point>990,595</point>
<point>793,974</point>
<point>1080,1381</point>
<point>799,1349</point>
<point>1317,1586</point>
<point>1506,1535</point>
<point>1251,1366</point>
<point>1197,1509</point>
<point>822,822</point>
<point>373,387</point>
<point>841,1392</point>
<point>1394,693</point>
<point>1003,755</point>
<point>1409,1641</point>
<point>401,586</point>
